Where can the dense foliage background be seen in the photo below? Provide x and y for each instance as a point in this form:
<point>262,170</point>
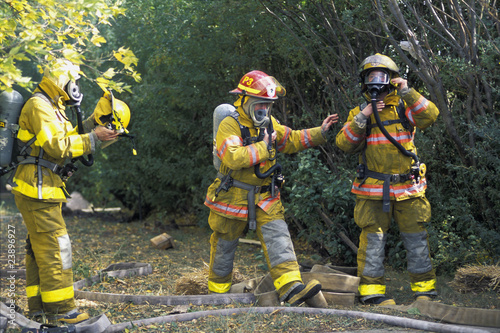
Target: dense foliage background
<point>191,53</point>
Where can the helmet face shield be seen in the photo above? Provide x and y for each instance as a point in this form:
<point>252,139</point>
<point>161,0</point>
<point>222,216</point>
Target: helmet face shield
<point>377,76</point>
<point>266,87</point>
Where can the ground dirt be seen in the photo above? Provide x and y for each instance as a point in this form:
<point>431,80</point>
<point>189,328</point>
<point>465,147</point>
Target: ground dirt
<point>101,239</point>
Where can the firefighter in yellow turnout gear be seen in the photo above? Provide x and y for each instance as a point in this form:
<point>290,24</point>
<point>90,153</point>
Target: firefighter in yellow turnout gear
<point>386,186</point>
<point>230,208</point>
<point>39,190</point>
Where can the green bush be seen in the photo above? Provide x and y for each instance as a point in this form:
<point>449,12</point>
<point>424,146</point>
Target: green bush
<point>312,188</point>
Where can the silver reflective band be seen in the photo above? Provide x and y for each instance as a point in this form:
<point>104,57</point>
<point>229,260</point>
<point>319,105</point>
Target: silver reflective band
<point>65,250</point>
<point>224,257</point>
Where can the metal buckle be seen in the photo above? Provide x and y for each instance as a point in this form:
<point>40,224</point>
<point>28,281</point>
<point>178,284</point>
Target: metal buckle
<point>396,178</point>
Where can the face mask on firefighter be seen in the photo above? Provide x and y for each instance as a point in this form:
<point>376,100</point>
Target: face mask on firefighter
<point>377,81</point>
<point>74,93</point>
<point>260,112</point>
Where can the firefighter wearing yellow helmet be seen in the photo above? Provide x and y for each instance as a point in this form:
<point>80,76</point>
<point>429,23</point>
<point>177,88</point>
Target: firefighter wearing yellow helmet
<point>388,184</point>
<point>244,191</point>
<point>39,189</point>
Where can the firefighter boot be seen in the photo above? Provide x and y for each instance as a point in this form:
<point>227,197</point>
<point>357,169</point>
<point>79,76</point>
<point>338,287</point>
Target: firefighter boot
<point>302,292</point>
<point>72,317</point>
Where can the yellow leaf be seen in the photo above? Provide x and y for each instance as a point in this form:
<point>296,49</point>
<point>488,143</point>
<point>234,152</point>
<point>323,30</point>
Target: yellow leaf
<point>126,57</point>
<point>109,73</point>
<point>97,40</point>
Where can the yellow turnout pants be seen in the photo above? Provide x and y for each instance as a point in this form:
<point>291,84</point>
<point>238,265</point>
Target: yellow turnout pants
<point>411,216</point>
<point>274,236</point>
<point>49,275</point>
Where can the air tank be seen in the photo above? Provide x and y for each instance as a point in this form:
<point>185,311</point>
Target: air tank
<point>11,104</point>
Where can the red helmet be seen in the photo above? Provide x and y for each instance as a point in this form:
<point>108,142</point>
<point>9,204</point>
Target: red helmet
<point>259,84</point>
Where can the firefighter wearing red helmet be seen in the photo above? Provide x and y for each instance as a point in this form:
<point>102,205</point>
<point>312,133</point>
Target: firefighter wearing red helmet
<point>244,191</point>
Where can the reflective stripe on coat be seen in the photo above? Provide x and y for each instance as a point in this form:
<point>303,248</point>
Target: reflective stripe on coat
<point>242,159</point>
<point>381,155</point>
<point>55,134</point>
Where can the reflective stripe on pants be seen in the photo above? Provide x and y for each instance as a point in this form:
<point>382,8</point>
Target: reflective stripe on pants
<point>273,234</point>
<point>411,216</point>
<point>49,275</point>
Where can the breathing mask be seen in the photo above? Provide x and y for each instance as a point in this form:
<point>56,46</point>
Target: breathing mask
<point>72,88</point>
<point>259,111</point>
<point>377,80</point>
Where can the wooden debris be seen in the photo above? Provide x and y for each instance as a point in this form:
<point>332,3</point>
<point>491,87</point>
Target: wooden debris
<point>162,242</point>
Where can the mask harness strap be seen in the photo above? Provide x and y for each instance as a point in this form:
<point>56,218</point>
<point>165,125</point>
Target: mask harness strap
<point>275,170</point>
<point>227,181</point>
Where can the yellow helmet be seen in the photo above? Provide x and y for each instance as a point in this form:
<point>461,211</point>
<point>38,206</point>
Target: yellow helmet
<point>62,71</point>
<point>112,113</point>
<point>378,61</point>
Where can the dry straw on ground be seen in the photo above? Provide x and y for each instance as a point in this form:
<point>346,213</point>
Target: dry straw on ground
<point>474,279</point>
<point>195,283</point>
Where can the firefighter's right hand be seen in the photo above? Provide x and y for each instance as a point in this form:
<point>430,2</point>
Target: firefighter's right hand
<point>273,137</point>
<point>367,111</point>
<point>105,134</point>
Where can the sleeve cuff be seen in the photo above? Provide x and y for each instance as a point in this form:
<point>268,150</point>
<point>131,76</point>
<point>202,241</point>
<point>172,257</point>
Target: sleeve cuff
<point>89,124</point>
<point>95,143</point>
<point>360,119</point>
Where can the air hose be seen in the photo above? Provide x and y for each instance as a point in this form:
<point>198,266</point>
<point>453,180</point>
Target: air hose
<point>417,169</point>
<point>275,167</point>
<point>269,172</point>
<point>374,95</point>
<point>79,117</point>
<point>275,170</point>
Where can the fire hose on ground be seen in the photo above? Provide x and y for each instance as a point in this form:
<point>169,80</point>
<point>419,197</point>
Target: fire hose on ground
<point>455,315</point>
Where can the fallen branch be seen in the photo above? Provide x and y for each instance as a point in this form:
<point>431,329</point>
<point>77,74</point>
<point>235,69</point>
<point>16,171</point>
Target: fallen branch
<point>340,233</point>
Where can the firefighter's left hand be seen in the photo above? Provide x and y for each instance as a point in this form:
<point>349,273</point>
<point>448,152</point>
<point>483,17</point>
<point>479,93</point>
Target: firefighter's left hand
<point>105,134</point>
<point>273,136</point>
<point>328,122</point>
<point>400,83</point>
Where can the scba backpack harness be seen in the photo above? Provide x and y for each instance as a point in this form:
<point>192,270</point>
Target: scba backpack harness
<point>227,110</point>
<point>13,151</point>
<point>417,170</point>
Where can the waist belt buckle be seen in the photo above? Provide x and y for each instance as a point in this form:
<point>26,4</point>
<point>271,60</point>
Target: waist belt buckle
<point>396,178</point>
